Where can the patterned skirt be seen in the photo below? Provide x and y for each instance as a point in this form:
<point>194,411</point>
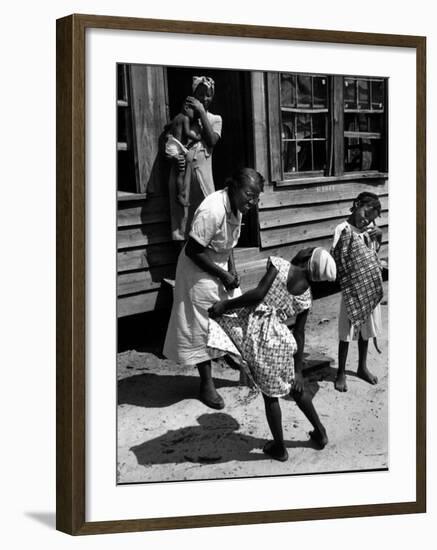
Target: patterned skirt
<point>264,343</point>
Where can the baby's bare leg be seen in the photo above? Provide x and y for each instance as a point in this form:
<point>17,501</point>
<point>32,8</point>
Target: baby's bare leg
<point>181,195</point>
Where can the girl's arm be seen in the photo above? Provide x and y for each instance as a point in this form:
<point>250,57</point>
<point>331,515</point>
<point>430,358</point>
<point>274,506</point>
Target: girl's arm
<point>299,336</point>
<point>375,234</point>
<point>249,298</point>
<point>198,254</point>
<point>210,137</point>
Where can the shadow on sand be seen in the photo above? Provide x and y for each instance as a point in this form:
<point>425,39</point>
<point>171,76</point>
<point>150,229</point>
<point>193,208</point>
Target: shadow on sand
<point>214,440</point>
<point>154,390</point>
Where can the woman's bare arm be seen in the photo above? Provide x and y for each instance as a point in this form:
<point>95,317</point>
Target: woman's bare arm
<point>198,254</point>
<point>249,298</point>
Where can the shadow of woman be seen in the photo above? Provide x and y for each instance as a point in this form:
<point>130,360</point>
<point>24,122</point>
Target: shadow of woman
<point>154,390</point>
<point>214,440</point>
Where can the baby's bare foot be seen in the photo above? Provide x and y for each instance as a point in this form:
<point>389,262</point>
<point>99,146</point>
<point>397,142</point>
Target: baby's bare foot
<point>320,438</point>
<point>340,383</point>
<point>367,376</point>
<point>275,451</point>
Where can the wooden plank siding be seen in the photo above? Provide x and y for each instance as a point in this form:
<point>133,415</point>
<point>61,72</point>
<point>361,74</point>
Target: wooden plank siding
<point>291,217</point>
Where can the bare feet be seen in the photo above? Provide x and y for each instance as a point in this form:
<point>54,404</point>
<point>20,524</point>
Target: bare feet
<point>319,438</point>
<point>367,376</point>
<point>275,451</point>
<point>340,383</point>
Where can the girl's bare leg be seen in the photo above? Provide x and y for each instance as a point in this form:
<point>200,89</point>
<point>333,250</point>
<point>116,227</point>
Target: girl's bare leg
<point>340,381</point>
<point>305,403</point>
<point>276,448</point>
<point>208,394</point>
<point>363,372</point>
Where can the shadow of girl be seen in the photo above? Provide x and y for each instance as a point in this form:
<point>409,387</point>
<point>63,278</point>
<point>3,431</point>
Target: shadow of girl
<point>214,440</point>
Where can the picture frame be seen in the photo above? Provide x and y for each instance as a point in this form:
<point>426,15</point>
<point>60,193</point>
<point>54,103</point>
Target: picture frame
<point>71,202</point>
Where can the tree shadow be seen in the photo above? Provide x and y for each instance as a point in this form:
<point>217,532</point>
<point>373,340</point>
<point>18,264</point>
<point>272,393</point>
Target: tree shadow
<point>154,390</point>
<point>214,440</point>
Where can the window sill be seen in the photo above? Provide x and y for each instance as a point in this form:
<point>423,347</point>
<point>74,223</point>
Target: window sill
<point>349,176</point>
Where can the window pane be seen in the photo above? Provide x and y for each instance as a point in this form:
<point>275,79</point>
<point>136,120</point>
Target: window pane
<point>320,89</point>
<point>289,156</point>
<point>288,90</point>
<point>304,91</point>
<point>303,126</point>
<point>362,154</point>
<point>363,94</point>
<point>375,123</point>
<point>352,154</point>
<point>350,100</point>
<point>319,154</point>
<point>363,123</point>
<point>350,122</point>
<point>304,156</point>
<point>319,126</point>
<point>377,94</point>
<point>288,125</point>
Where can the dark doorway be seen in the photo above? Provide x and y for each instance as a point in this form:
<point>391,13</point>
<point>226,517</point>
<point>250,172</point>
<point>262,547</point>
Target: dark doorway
<point>232,101</point>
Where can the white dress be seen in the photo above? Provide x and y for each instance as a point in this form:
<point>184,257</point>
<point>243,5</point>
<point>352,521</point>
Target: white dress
<point>198,182</point>
<point>216,228</point>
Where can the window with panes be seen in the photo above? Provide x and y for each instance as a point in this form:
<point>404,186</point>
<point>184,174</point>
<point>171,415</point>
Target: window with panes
<point>326,125</point>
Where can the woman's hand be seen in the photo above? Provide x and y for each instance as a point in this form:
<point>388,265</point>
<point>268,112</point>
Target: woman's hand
<point>195,104</point>
<point>217,309</point>
<point>230,280</point>
<point>180,159</point>
<point>298,382</point>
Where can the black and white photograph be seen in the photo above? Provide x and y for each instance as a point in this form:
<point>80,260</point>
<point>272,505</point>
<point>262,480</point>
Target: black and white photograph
<point>252,273</point>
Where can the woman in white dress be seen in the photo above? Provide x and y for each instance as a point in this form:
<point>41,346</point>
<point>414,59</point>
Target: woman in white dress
<point>206,273</point>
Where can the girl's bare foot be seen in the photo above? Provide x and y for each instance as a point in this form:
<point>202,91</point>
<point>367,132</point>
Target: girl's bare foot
<point>320,438</point>
<point>340,383</point>
<point>367,376</point>
<point>275,451</point>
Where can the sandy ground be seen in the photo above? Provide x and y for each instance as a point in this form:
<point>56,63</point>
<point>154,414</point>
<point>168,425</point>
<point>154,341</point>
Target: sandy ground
<point>166,434</point>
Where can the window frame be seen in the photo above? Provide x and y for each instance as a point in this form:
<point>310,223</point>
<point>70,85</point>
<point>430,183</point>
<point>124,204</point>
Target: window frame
<point>335,137</point>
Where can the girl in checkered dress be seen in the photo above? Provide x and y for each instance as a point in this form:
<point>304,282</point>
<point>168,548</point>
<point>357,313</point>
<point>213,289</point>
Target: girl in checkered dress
<point>256,327</point>
<point>355,246</point>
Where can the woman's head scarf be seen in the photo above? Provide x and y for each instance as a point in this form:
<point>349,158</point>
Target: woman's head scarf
<point>205,80</point>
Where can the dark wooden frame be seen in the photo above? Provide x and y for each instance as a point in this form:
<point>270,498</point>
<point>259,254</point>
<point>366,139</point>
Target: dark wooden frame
<point>70,204</point>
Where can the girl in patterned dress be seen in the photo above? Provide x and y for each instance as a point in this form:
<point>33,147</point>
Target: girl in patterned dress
<point>355,246</point>
<point>271,352</point>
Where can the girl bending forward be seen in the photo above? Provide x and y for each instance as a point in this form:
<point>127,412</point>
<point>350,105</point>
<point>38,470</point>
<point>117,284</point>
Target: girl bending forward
<point>271,352</point>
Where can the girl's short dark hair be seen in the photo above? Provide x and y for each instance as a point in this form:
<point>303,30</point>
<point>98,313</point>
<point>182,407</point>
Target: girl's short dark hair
<point>366,198</point>
<point>246,175</point>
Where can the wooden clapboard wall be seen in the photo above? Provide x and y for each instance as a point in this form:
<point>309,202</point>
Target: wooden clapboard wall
<point>290,218</point>
<point>303,214</point>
